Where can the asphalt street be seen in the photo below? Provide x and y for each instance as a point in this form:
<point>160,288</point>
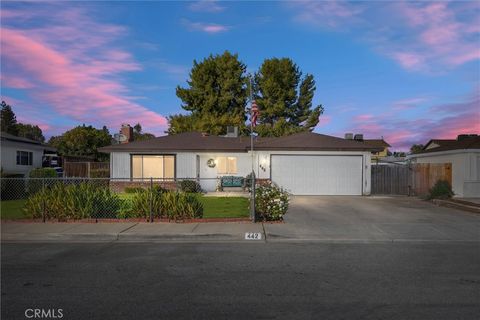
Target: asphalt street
<point>410,280</point>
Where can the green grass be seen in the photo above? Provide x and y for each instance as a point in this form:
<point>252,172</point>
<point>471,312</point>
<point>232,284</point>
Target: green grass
<point>225,207</point>
<point>213,207</point>
<point>12,209</point>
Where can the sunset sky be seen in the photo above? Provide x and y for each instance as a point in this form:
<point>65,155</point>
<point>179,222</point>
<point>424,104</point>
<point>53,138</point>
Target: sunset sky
<point>406,71</point>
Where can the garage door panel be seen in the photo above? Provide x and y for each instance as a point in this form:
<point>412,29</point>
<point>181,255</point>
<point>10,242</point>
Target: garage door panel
<point>318,175</point>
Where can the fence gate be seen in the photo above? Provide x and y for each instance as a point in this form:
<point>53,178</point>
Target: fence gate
<point>390,179</point>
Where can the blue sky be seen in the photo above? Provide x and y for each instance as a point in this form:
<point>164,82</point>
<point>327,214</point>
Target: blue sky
<point>402,70</point>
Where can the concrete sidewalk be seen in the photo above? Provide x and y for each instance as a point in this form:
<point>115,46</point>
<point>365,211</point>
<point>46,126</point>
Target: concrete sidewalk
<point>98,232</point>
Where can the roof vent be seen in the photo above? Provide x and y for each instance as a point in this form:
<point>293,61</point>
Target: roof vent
<point>349,136</point>
<point>232,132</point>
<point>461,137</point>
<point>358,137</point>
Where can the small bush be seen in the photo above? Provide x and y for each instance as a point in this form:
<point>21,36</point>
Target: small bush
<point>43,173</point>
<point>180,206</point>
<point>133,189</point>
<point>271,202</point>
<point>99,173</point>
<point>143,199</point>
<point>74,201</point>
<point>441,190</point>
<point>39,176</point>
<point>190,186</point>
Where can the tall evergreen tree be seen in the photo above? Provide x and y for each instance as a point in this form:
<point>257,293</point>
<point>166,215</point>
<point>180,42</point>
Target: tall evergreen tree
<point>29,131</point>
<point>216,95</point>
<point>284,98</point>
<point>8,119</point>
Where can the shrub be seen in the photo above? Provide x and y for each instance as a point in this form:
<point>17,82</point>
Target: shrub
<point>133,189</point>
<point>191,186</point>
<point>99,173</point>
<point>441,190</point>
<point>271,202</point>
<point>180,205</point>
<point>74,201</point>
<point>43,173</point>
<point>167,204</point>
<point>39,176</point>
<point>143,199</point>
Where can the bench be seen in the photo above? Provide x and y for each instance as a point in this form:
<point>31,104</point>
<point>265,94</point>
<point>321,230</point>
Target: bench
<point>232,182</point>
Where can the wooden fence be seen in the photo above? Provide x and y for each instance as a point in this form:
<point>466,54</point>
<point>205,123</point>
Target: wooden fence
<point>414,179</point>
<point>86,169</point>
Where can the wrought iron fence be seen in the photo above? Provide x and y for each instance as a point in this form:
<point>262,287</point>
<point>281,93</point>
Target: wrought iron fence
<point>108,198</point>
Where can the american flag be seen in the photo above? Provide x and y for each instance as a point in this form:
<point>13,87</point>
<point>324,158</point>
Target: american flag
<point>254,113</point>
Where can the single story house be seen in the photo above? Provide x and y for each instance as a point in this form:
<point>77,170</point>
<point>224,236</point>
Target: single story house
<point>464,155</point>
<point>304,163</point>
<point>21,155</point>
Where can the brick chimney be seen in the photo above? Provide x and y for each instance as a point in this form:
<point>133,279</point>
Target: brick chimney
<point>127,131</point>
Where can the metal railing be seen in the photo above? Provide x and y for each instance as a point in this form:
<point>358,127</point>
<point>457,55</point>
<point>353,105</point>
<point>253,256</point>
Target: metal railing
<point>148,199</point>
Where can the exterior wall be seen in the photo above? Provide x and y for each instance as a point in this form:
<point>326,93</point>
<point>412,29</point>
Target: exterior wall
<point>9,157</point>
<point>465,170</point>
<point>186,165</point>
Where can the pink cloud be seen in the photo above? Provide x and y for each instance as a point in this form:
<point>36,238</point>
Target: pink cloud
<point>76,70</point>
<point>420,36</point>
<point>324,120</point>
<point>439,122</point>
<point>205,27</point>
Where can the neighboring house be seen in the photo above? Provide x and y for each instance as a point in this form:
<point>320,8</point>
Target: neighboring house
<point>20,155</point>
<point>391,160</point>
<point>303,163</point>
<point>382,145</point>
<point>464,155</point>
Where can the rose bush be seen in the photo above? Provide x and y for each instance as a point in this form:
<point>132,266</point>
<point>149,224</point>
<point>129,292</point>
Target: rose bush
<point>271,202</point>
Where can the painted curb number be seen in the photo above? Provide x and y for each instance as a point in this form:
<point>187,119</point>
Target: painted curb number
<point>253,236</point>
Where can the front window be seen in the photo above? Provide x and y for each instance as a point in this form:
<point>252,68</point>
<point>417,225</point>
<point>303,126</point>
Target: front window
<point>153,166</point>
<point>24,158</point>
<point>227,165</point>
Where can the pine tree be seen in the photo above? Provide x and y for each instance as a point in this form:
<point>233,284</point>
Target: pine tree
<point>8,119</point>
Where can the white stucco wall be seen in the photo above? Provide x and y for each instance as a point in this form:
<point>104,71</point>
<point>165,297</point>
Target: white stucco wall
<point>9,157</point>
<point>465,169</point>
<point>186,165</point>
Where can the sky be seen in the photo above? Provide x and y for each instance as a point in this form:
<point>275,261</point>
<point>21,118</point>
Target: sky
<point>405,71</point>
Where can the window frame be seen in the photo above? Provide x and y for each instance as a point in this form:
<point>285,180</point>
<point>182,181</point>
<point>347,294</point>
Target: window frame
<point>227,167</point>
<point>18,159</point>
<point>163,169</point>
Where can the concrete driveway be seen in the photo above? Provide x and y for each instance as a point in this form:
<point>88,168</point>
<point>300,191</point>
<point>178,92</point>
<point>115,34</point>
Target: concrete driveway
<point>375,218</point>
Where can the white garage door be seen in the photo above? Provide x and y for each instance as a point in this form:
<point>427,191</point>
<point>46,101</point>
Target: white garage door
<point>318,175</point>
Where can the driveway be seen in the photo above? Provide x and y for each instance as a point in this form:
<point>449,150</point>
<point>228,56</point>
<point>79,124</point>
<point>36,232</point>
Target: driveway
<point>375,218</point>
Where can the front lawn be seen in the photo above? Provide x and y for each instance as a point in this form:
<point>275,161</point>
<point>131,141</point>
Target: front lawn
<point>225,207</point>
<point>213,207</point>
<point>12,209</point>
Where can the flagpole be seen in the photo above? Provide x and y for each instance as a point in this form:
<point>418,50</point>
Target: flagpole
<point>252,200</point>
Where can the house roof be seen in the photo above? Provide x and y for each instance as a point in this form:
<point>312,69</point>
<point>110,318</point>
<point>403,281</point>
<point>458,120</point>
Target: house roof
<point>472,142</point>
<point>380,143</point>
<point>10,137</point>
<point>195,141</point>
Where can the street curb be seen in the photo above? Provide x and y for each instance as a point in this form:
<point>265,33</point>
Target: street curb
<point>83,237</point>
